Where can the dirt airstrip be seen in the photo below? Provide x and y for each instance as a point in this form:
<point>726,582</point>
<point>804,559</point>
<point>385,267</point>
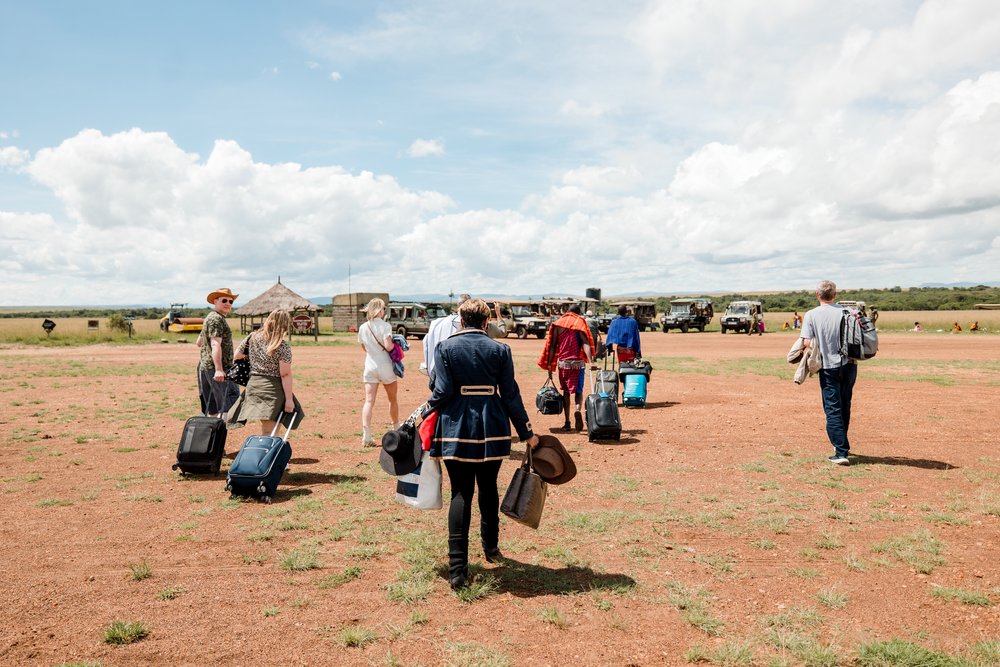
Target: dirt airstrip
<point>715,526</point>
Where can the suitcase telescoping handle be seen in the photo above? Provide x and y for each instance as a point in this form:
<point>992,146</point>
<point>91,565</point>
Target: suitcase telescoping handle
<point>291,422</point>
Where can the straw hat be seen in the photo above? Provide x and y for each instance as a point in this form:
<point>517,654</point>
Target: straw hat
<point>551,460</point>
<point>222,291</point>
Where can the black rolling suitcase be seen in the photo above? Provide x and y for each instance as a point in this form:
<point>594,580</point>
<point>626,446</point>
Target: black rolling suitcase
<point>607,380</point>
<point>260,463</point>
<point>203,443</point>
<point>603,420</point>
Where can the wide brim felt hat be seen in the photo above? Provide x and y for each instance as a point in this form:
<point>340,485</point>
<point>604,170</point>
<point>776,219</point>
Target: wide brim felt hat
<point>222,291</point>
<point>551,460</point>
<point>401,451</point>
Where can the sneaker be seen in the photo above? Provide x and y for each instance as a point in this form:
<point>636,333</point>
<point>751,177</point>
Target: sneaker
<point>839,460</point>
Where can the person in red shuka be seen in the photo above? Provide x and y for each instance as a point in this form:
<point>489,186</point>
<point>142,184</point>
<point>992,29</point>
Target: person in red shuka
<point>568,347</point>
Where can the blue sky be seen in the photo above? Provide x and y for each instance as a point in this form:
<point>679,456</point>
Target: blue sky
<point>150,153</point>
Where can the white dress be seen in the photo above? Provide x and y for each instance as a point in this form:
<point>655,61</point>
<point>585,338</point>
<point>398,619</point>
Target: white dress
<point>378,365</point>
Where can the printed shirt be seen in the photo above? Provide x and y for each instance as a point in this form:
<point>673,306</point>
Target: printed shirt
<point>262,363</point>
<point>215,326</point>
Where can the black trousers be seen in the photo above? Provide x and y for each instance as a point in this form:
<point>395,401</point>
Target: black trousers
<point>464,477</point>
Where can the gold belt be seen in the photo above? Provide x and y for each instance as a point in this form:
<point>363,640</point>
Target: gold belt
<point>478,390</point>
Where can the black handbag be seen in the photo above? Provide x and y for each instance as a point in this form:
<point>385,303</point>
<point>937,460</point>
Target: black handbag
<point>525,497</point>
<point>548,400</point>
<point>239,372</point>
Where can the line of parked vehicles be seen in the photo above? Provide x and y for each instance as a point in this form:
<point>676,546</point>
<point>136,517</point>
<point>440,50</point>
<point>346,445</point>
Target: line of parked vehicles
<point>526,317</point>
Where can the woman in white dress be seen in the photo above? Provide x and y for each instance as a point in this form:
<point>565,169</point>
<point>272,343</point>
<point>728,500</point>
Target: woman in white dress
<point>375,337</point>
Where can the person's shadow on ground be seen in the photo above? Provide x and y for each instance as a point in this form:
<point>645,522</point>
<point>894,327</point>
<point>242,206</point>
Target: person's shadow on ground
<point>929,464</point>
<point>527,580</point>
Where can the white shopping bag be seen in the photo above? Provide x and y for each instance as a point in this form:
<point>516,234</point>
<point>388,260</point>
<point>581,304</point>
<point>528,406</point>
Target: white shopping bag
<point>422,487</point>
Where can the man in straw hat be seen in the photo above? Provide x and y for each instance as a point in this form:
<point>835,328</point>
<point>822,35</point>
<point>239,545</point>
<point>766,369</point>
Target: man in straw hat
<point>217,393</point>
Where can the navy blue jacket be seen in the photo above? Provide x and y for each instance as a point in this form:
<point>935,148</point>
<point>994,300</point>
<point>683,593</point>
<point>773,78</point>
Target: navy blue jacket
<point>474,423</point>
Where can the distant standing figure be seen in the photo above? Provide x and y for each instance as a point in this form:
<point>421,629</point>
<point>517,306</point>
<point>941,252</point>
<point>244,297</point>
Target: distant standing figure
<point>269,391</point>
<point>375,336</point>
<point>916,327</point>
<point>623,336</point>
<point>874,315</point>
<point>821,326</point>
<point>215,345</point>
<point>796,320</point>
<point>956,327</point>
<point>595,333</point>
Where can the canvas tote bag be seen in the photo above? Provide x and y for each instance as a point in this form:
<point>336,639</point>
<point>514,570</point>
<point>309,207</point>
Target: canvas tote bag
<point>525,497</point>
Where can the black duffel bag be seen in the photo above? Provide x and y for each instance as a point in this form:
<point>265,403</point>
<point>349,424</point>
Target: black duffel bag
<point>548,400</point>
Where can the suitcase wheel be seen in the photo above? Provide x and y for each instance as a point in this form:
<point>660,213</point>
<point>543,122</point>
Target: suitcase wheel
<point>229,487</point>
<point>266,500</point>
<point>174,467</point>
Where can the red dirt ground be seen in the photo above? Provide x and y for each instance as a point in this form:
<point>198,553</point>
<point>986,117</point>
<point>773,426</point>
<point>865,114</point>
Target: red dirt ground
<point>719,484</point>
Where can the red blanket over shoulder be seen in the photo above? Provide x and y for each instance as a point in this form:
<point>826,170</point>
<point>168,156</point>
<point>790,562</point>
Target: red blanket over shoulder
<point>571,322</point>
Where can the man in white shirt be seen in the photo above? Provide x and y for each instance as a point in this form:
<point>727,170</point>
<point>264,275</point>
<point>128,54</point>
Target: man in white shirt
<point>445,326</point>
<point>821,326</point>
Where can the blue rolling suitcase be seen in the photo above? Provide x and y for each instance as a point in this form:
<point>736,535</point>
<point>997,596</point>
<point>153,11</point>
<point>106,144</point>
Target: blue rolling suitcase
<point>634,393</point>
<point>260,463</point>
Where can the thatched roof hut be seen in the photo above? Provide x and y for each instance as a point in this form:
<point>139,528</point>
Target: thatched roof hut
<point>279,297</point>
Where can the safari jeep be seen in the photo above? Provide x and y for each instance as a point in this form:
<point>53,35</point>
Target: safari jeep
<point>740,316</point>
<point>687,314</point>
<point>413,319</point>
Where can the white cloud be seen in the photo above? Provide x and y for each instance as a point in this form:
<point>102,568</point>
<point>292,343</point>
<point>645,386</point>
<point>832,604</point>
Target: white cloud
<point>12,157</point>
<point>425,148</point>
<point>335,76</point>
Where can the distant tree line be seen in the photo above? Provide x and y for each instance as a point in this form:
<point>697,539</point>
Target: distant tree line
<point>892,298</point>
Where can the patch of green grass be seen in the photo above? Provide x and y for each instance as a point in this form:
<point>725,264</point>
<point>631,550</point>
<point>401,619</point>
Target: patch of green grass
<point>258,559</point>
<point>54,502</point>
<point>986,653</point>
<point>777,523</point>
<point>734,654</point>
<point>692,603</point>
<point>472,654</point>
<point>338,580</point>
<point>409,590</point>
<point>763,545</point>
<point>141,571</point>
<point>829,541</point>
<point>553,617</point>
<point>593,522</point>
<point>805,573</point>
<point>300,560</point>
<point>145,498</point>
<point>853,563</point>
<point>261,536</point>
<point>271,611</point>
<point>960,595</point>
<point>946,519</point>
<point>169,593</point>
<point>920,549</point>
<point>356,636</point>
<point>898,652</point>
<point>125,450</point>
<point>365,552</point>
<point>831,598</point>
<point>121,633</point>
<point>479,588</point>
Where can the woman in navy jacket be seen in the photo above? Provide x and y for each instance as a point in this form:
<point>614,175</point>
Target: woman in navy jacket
<point>477,398</point>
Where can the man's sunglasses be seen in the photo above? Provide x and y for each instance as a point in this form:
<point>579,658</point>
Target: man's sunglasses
<point>227,300</point>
